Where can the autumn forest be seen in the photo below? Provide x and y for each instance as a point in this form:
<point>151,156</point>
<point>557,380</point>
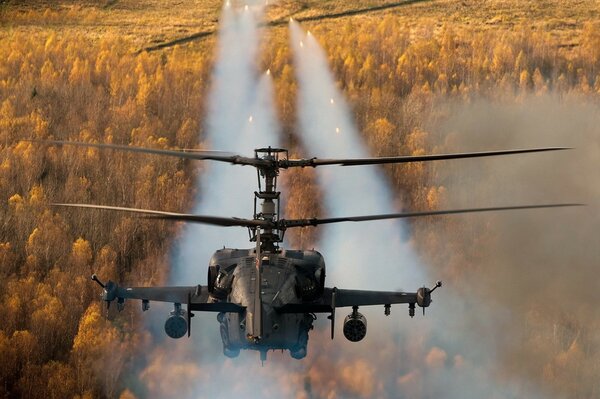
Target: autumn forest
<point>405,72</point>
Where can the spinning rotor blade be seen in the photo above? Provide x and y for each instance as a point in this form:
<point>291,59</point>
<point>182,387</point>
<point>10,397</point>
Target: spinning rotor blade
<point>286,224</point>
<point>316,222</point>
<point>182,217</point>
<point>186,154</point>
<point>289,163</point>
<point>423,158</point>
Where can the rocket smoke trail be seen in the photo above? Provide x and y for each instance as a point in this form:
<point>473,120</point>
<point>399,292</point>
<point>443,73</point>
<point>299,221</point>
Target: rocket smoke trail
<point>435,357</point>
<point>328,131</point>
<point>240,117</point>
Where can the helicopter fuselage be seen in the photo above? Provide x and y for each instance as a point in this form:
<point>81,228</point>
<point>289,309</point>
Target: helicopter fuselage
<point>286,277</point>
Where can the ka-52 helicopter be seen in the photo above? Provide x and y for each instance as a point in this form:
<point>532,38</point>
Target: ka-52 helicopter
<point>266,297</point>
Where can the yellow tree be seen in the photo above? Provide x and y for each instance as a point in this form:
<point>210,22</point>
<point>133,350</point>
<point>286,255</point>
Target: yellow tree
<point>47,243</point>
<point>380,134</point>
<point>48,322</point>
<point>98,353</point>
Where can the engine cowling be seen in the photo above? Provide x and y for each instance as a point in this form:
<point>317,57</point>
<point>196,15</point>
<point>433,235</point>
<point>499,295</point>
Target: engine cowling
<point>355,327</point>
<point>310,286</point>
<point>176,326</point>
<point>213,272</point>
<point>222,286</point>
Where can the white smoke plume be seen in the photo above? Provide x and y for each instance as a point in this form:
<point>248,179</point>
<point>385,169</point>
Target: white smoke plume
<point>328,131</point>
<point>446,355</point>
<point>240,117</point>
<point>538,260</point>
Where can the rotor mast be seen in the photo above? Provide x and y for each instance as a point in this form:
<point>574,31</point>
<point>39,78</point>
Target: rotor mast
<point>267,198</point>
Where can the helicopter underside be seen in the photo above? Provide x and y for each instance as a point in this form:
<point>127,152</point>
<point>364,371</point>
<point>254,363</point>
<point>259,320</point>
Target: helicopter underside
<point>291,336</point>
<point>286,277</point>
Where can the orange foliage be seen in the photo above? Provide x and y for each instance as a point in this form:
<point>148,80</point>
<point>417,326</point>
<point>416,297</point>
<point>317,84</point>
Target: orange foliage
<point>74,89</point>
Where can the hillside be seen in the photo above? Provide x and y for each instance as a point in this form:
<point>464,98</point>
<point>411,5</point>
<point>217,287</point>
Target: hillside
<point>420,76</point>
<point>148,22</point>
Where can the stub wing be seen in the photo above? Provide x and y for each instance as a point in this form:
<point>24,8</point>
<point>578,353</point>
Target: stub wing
<point>161,294</point>
<point>345,298</point>
<point>195,297</point>
<point>333,298</point>
<point>339,298</point>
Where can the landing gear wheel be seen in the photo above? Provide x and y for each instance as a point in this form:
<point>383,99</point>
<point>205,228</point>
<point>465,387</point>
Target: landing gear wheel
<point>298,353</point>
<point>227,349</point>
<point>231,353</point>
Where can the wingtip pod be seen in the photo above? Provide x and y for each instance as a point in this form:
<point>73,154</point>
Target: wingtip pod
<point>109,293</point>
<point>424,295</point>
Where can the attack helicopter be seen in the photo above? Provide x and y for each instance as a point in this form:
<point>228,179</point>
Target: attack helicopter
<point>267,297</point>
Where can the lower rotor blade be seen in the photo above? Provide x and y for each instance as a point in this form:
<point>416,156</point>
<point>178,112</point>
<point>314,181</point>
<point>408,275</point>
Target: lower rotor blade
<point>182,217</point>
<point>316,222</point>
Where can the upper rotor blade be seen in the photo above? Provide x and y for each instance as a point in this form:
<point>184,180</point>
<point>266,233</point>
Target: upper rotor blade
<point>424,158</point>
<point>186,154</point>
<point>213,220</point>
<point>315,222</point>
<point>288,163</point>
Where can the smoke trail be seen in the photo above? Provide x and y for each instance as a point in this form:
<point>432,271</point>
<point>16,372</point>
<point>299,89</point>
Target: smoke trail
<point>231,119</point>
<point>538,260</point>
<point>241,117</point>
<point>329,131</point>
<point>436,357</point>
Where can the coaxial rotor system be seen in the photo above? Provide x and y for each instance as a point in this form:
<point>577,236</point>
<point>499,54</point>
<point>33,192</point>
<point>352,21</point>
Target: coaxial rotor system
<point>268,162</point>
